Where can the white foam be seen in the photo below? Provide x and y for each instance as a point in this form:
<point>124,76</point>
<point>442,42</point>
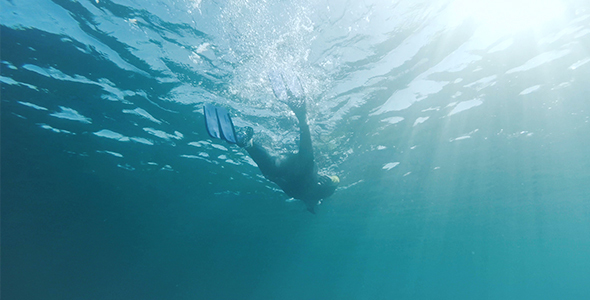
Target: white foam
<point>199,143</point>
<point>540,60</point>
<point>141,140</point>
<point>465,105</point>
<point>71,114</point>
<point>109,134</point>
<point>53,18</point>
<point>530,89</point>
<point>126,167</point>
<point>35,106</point>
<point>111,153</point>
<point>417,90</point>
<point>191,156</point>
<point>114,93</point>
<point>580,63</point>
<point>483,83</point>
<point>164,135</point>
<point>45,126</point>
<point>461,138</point>
<point>391,165</point>
<point>393,120</point>
<point>216,146</point>
<point>502,46</point>
<point>420,120</point>
<point>8,80</point>
<point>142,113</point>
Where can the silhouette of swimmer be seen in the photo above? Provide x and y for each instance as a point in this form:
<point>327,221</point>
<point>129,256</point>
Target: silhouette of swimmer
<point>295,173</point>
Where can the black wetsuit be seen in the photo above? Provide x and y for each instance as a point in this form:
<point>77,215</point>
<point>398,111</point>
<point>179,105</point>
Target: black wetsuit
<point>295,173</point>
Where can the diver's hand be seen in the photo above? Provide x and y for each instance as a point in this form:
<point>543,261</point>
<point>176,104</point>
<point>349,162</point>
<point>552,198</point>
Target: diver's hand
<point>298,107</point>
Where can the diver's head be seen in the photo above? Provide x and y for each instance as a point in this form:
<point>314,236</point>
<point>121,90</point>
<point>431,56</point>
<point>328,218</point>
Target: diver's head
<point>327,185</point>
<point>331,181</point>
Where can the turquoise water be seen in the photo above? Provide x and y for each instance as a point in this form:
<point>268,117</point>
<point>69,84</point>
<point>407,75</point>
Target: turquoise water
<point>460,132</point>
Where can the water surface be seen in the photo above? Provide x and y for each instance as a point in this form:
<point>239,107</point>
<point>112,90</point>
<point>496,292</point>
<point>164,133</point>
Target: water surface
<point>459,131</point>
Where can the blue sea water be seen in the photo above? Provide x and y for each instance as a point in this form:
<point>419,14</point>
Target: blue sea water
<point>460,131</point>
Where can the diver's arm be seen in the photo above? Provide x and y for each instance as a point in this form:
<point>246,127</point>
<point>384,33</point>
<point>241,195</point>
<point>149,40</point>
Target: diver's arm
<point>305,146</point>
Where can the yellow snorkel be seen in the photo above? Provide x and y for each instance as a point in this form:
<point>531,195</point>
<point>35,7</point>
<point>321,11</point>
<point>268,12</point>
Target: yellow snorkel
<point>335,179</point>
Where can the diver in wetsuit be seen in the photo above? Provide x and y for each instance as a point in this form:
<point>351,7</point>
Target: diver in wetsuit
<point>295,173</point>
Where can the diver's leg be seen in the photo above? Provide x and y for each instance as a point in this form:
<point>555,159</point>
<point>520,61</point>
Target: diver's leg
<point>267,163</point>
<point>305,146</point>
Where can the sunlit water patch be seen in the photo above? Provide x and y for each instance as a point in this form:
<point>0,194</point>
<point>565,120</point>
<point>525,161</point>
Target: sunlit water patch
<point>459,130</point>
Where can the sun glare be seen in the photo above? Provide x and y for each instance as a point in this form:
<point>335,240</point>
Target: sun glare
<point>508,16</point>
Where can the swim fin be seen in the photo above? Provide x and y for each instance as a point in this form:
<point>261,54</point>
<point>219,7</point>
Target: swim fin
<point>219,124</point>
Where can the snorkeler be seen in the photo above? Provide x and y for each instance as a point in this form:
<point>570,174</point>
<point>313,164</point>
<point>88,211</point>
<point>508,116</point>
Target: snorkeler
<point>295,173</point>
